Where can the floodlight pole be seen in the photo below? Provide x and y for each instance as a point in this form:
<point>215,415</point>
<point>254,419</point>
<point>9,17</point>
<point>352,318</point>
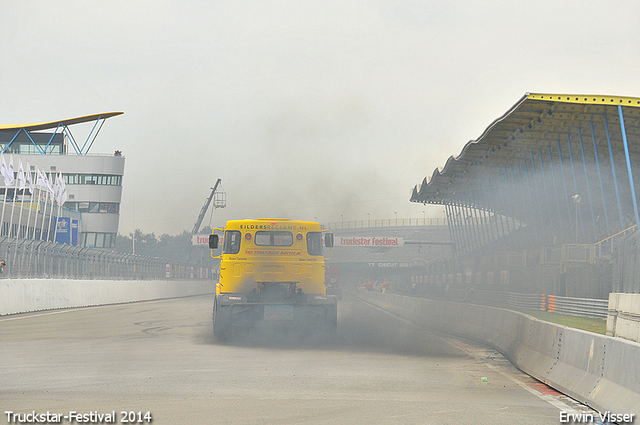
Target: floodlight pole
<point>576,201</point>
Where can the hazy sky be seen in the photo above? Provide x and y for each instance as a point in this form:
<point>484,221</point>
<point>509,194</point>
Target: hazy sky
<point>305,109</point>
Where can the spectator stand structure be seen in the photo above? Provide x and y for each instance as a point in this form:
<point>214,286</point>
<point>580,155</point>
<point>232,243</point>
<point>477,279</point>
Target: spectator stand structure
<point>545,200</point>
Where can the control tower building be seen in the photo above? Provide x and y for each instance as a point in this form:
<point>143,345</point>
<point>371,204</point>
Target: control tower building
<point>93,181</point>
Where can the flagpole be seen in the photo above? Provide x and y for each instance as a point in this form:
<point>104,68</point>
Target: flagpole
<point>23,185</point>
<point>13,204</point>
<point>38,185</point>
<point>4,201</point>
<point>21,209</point>
<point>29,216</point>
<point>13,208</point>
<point>32,190</point>
<point>18,182</point>
<point>58,198</point>
<point>8,173</point>
<point>44,217</point>
<point>44,210</point>
<point>51,212</point>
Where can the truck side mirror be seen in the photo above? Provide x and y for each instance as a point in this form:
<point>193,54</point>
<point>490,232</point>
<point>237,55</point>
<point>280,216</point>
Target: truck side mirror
<point>213,241</point>
<point>328,240</point>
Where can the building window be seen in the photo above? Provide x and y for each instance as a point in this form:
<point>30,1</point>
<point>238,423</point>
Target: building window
<point>89,239</point>
<point>98,240</point>
<point>30,149</point>
<point>96,179</point>
<point>94,207</point>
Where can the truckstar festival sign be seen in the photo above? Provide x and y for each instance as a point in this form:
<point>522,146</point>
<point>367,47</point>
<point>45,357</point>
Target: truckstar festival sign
<point>202,240</point>
<point>369,241</point>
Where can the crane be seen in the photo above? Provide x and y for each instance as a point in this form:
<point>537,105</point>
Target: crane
<point>205,207</point>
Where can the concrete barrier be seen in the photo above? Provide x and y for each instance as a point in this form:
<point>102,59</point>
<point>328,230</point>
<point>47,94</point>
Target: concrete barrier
<point>600,371</point>
<point>623,319</point>
<point>24,295</point>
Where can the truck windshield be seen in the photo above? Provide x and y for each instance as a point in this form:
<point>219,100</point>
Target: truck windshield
<point>264,238</point>
<point>314,243</point>
<point>231,242</point>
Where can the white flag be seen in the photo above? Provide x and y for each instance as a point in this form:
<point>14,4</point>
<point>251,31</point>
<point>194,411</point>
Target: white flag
<point>13,179</point>
<point>62,196</point>
<point>57,189</point>
<point>60,188</point>
<point>48,183</point>
<point>29,180</point>
<point>6,173</point>
<point>40,178</point>
<point>21,180</point>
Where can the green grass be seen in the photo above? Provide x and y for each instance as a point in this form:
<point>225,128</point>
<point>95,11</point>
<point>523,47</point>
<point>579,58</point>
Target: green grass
<point>598,326</point>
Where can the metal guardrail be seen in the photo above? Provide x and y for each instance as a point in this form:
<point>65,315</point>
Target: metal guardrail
<point>391,222</point>
<point>579,306</point>
<point>27,258</point>
<point>583,307</point>
<point>582,253</point>
<point>605,247</point>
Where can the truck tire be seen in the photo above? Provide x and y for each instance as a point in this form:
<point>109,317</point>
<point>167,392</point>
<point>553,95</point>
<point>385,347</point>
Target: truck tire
<point>332,318</point>
<point>221,327</point>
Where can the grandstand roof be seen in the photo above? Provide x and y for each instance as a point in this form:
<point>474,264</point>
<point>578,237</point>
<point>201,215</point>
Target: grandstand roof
<point>562,166</point>
<point>55,124</point>
<point>535,124</point>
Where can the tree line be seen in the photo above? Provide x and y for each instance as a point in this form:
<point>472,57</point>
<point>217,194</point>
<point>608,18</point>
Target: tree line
<point>176,248</point>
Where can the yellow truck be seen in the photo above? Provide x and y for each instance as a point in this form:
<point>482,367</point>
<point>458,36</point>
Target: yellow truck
<point>272,272</point>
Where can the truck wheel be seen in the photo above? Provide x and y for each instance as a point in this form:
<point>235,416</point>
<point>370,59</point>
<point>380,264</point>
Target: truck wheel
<point>220,323</point>
<point>332,318</point>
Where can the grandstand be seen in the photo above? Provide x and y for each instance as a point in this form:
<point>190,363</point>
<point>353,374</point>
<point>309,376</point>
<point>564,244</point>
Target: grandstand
<point>546,197</point>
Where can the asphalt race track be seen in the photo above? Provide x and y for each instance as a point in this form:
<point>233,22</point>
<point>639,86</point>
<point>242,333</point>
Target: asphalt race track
<point>160,357</point>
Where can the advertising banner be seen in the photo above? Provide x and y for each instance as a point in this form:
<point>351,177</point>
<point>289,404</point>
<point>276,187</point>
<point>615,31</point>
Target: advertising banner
<point>63,230</point>
<point>74,232</point>
<point>376,242</point>
<point>200,240</point>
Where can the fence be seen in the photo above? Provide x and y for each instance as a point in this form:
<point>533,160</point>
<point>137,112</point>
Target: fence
<point>390,222</point>
<point>583,253</point>
<point>27,258</point>
<point>584,307</point>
